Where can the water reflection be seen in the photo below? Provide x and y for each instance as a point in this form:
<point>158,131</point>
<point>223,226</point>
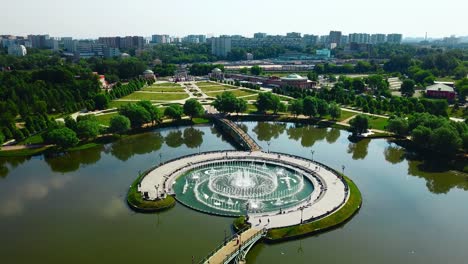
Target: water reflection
<point>191,137</point>
<point>333,135</point>
<point>15,199</point>
<point>359,149</point>
<point>267,131</point>
<point>308,134</point>
<point>10,163</point>
<point>438,179</point>
<point>71,161</point>
<point>394,153</point>
<point>125,148</point>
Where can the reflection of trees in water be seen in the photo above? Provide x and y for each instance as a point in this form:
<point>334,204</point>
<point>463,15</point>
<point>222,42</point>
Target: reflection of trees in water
<point>307,134</point>
<point>71,161</point>
<point>394,154</point>
<point>12,162</point>
<point>174,139</point>
<point>193,138</point>
<point>266,131</point>
<point>438,179</point>
<point>333,135</point>
<point>359,149</point>
<point>243,127</point>
<point>136,144</point>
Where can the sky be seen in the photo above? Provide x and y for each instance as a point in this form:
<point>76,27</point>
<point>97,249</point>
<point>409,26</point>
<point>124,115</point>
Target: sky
<point>94,18</point>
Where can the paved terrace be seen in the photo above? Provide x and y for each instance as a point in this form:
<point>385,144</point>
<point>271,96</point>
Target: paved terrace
<point>330,191</point>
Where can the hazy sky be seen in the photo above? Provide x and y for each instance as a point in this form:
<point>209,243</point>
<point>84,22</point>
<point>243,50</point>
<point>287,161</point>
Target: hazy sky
<point>93,18</point>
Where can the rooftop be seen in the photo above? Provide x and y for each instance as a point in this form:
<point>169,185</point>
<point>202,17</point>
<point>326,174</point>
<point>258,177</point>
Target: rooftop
<point>439,87</point>
<point>294,77</point>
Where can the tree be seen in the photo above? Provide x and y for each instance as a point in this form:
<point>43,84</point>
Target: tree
<point>101,101</point>
<point>2,139</point>
<point>256,70</point>
<point>155,113</point>
<point>174,111</point>
<point>241,105</point>
<point>137,114</point>
<point>358,85</point>
<point>310,106</point>
<point>322,107</point>
<point>225,103</point>
<point>296,107</point>
<point>421,136</point>
<point>62,137</point>
<point>268,101</point>
<point>193,108</point>
<point>335,111</point>
<point>398,125</point>
<point>359,124</point>
<point>407,87</point>
<point>88,129</point>
<point>445,141</point>
<point>119,124</point>
<point>70,123</point>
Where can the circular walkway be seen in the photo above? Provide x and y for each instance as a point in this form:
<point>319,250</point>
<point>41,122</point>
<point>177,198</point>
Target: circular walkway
<point>330,192</point>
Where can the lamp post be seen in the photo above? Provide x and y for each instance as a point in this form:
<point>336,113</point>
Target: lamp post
<point>160,158</point>
<point>225,237</point>
<point>312,154</point>
<point>302,209</point>
<point>268,143</point>
<point>342,168</point>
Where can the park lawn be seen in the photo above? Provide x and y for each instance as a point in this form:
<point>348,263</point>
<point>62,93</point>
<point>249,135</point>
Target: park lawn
<point>33,140</point>
<point>378,122</point>
<point>251,108</point>
<point>250,97</point>
<point>117,104</point>
<point>212,88</point>
<point>459,113</point>
<point>164,89</point>
<point>105,119</point>
<point>165,85</point>
<point>201,84</point>
<point>155,96</point>
<point>237,93</point>
<point>346,114</point>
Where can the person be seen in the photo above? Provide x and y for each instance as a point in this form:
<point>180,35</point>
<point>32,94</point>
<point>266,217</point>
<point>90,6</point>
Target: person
<point>259,221</point>
<point>268,220</point>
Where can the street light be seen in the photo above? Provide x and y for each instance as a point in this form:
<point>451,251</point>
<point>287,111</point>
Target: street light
<point>160,157</point>
<point>268,143</point>
<point>302,209</point>
<point>312,154</point>
<point>342,168</point>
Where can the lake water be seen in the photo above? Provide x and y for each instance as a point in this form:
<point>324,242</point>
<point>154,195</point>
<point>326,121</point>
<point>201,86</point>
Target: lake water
<point>72,209</point>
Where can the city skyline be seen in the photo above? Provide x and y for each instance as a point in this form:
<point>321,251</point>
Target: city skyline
<point>118,18</point>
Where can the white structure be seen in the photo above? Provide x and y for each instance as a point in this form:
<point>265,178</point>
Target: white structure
<point>149,75</point>
<point>17,50</point>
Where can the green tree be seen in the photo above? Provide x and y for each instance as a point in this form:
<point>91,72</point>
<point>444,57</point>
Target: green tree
<point>445,141</point>
<point>335,111</point>
<point>359,124</point>
<point>136,113</point>
<point>62,137</point>
<point>225,103</point>
<point>256,70</point>
<point>119,124</point>
<point>155,113</point>
<point>101,101</point>
<point>174,112</point>
<point>296,107</point>
<point>241,105</point>
<point>407,87</point>
<point>398,125</point>
<point>310,106</point>
<point>193,108</point>
<point>2,139</point>
<point>88,129</point>
<point>322,107</point>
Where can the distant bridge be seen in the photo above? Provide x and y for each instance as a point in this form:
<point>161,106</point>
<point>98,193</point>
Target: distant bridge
<point>239,135</point>
<point>236,248</point>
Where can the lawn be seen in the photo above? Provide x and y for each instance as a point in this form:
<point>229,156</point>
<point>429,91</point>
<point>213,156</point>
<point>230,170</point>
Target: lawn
<point>250,97</point>
<point>237,93</point>
<point>459,113</point>
<point>155,96</point>
<point>165,85</point>
<point>212,88</point>
<point>36,139</point>
<point>346,114</point>
<point>117,104</point>
<point>201,84</point>
<point>378,122</point>
<point>105,119</point>
<point>164,89</point>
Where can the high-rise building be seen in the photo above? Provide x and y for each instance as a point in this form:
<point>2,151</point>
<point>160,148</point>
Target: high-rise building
<point>293,35</point>
<point>394,38</point>
<point>70,44</point>
<point>17,50</point>
<point>160,39</point>
<point>109,52</point>
<point>377,38</point>
<point>310,40</point>
<point>260,35</point>
<point>39,41</point>
<point>359,38</point>
<point>221,46</point>
<point>334,37</point>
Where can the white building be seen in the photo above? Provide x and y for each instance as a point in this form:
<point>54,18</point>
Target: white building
<point>17,50</point>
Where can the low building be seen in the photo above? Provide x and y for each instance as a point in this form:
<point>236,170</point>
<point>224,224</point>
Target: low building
<point>440,90</point>
<point>217,74</point>
<point>297,81</point>
<point>149,75</point>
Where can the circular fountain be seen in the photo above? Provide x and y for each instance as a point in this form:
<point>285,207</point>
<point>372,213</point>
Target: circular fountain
<point>236,187</point>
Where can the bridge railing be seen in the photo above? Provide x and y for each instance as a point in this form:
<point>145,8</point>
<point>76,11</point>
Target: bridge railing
<point>204,260</point>
<point>245,244</point>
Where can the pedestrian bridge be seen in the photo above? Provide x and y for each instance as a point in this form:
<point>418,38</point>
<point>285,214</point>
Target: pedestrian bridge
<point>235,248</point>
<point>239,135</point>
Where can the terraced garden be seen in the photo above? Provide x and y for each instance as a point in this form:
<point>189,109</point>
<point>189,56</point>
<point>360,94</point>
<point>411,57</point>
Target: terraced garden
<point>155,96</point>
<point>237,93</point>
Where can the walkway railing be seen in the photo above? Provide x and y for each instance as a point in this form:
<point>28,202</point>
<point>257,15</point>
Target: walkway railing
<point>242,138</point>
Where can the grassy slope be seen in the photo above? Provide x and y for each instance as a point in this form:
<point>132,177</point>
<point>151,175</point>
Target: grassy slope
<point>155,96</point>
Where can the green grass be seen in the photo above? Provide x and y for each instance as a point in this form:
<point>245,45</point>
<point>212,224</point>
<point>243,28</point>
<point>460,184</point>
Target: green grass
<point>216,88</point>
<point>337,218</point>
<point>201,84</point>
<point>117,104</point>
<point>459,113</point>
<point>23,152</point>
<point>105,119</point>
<point>200,120</point>
<point>237,93</point>
<point>136,201</point>
<point>345,115</point>
<point>165,85</point>
<point>36,139</point>
<point>164,89</point>
<point>250,97</point>
<point>378,122</point>
<point>155,96</point>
